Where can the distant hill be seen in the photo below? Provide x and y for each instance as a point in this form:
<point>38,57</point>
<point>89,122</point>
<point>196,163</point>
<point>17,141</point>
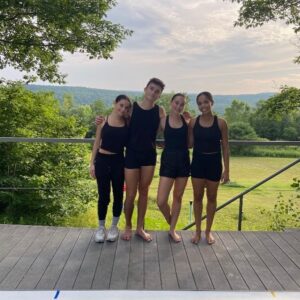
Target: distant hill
<point>83,95</point>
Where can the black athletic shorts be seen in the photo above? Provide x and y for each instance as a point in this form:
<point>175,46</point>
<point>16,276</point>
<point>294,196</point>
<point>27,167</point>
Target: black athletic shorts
<point>135,159</point>
<point>207,166</point>
<point>175,164</point>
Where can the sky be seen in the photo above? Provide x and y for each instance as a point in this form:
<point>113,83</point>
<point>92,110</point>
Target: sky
<point>192,46</point>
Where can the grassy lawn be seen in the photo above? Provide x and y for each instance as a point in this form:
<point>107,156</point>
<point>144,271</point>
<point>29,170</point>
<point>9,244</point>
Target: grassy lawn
<point>245,172</point>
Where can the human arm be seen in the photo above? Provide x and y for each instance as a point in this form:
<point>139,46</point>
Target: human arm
<point>225,150</point>
<point>190,133</point>
<point>94,151</point>
<point>162,118</point>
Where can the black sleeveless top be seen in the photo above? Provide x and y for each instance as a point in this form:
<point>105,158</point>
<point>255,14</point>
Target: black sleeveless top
<point>143,128</point>
<point>207,139</point>
<point>176,138</point>
<point>113,138</point>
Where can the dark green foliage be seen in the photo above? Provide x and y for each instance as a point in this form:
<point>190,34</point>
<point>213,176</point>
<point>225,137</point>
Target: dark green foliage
<point>35,33</point>
<point>59,169</point>
<point>286,212</point>
<point>285,102</point>
<point>238,111</point>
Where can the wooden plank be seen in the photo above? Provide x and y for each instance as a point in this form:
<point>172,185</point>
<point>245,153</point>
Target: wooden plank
<point>233,275</point>
<point>87,270</point>
<point>182,266</point>
<point>200,274</point>
<point>151,263</point>
<point>296,234</point>
<point>105,266</point>
<point>250,277</point>
<point>16,274</point>
<point>36,271</point>
<point>292,241</point>
<point>166,263</point>
<point>278,271</point>
<point>16,253</point>
<point>290,251</point>
<point>136,264</point>
<point>257,264</point>
<point>57,263</point>
<point>12,235</point>
<point>213,267</point>
<point>119,277</point>
<point>70,271</point>
<point>282,258</point>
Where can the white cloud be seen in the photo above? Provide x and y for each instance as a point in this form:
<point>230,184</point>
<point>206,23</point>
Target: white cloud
<point>191,45</point>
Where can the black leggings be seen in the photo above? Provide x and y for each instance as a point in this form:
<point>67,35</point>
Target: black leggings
<point>109,169</point>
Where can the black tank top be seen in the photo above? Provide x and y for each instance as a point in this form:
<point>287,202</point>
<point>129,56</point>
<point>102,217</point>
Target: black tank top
<point>176,138</point>
<point>143,128</point>
<point>207,139</point>
<point>113,138</point>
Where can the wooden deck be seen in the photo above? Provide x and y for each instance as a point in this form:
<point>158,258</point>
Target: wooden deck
<point>48,258</point>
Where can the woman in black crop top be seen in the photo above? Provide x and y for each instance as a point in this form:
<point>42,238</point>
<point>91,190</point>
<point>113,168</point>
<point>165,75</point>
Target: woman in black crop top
<point>208,135</point>
<point>140,157</point>
<point>175,163</point>
<point>107,166</point>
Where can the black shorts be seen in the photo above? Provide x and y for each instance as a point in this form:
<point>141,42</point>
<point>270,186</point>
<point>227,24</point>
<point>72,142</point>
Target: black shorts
<point>175,164</point>
<point>207,166</point>
<point>135,159</point>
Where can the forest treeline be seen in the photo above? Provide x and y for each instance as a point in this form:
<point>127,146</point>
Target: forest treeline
<point>55,175</point>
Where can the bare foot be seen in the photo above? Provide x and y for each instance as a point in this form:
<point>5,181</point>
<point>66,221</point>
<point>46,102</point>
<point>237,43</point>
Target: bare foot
<point>143,235</point>
<point>196,237</point>
<point>126,235</point>
<point>209,238</point>
<point>175,236</point>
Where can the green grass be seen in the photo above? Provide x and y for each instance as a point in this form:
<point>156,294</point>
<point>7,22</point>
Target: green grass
<point>245,172</point>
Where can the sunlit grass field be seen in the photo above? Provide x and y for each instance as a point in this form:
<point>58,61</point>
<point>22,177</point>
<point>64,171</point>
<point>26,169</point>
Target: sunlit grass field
<point>244,172</point>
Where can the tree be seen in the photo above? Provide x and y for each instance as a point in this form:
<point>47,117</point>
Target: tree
<point>254,13</point>
<point>241,131</point>
<point>35,33</point>
<point>238,111</point>
<point>285,102</point>
<point>60,169</point>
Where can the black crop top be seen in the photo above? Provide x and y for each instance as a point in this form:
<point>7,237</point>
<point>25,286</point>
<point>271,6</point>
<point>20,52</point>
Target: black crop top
<point>207,139</point>
<point>176,138</point>
<point>143,127</point>
<point>113,138</point>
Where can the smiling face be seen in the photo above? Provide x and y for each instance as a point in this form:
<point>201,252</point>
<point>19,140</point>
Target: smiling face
<point>204,104</point>
<point>177,104</point>
<point>122,108</point>
<point>152,92</point>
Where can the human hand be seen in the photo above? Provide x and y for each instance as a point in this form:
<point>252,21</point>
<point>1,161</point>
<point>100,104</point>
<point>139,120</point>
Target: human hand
<point>99,120</point>
<point>92,171</point>
<point>225,177</point>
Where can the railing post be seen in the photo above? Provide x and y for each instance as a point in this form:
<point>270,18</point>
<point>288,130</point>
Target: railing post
<point>191,210</point>
<point>240,214</point>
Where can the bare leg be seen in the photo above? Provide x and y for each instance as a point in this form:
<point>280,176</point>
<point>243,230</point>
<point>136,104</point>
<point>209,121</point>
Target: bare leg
<point>131,179</point>
<point>198,189</point>
<point>211,193</point>
<point>164,188</point>
<point>146,175</point>
<point>180,184</point>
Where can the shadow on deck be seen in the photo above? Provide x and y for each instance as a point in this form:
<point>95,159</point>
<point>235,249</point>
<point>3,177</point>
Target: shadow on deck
<point>48,258</point>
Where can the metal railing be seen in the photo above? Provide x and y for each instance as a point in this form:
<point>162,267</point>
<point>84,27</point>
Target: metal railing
<point>241,196</point>
<point>90,140</point>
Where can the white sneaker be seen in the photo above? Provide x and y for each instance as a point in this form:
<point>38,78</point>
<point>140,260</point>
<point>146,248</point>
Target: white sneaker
<point>113,233</point>
<point>100,235</point>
